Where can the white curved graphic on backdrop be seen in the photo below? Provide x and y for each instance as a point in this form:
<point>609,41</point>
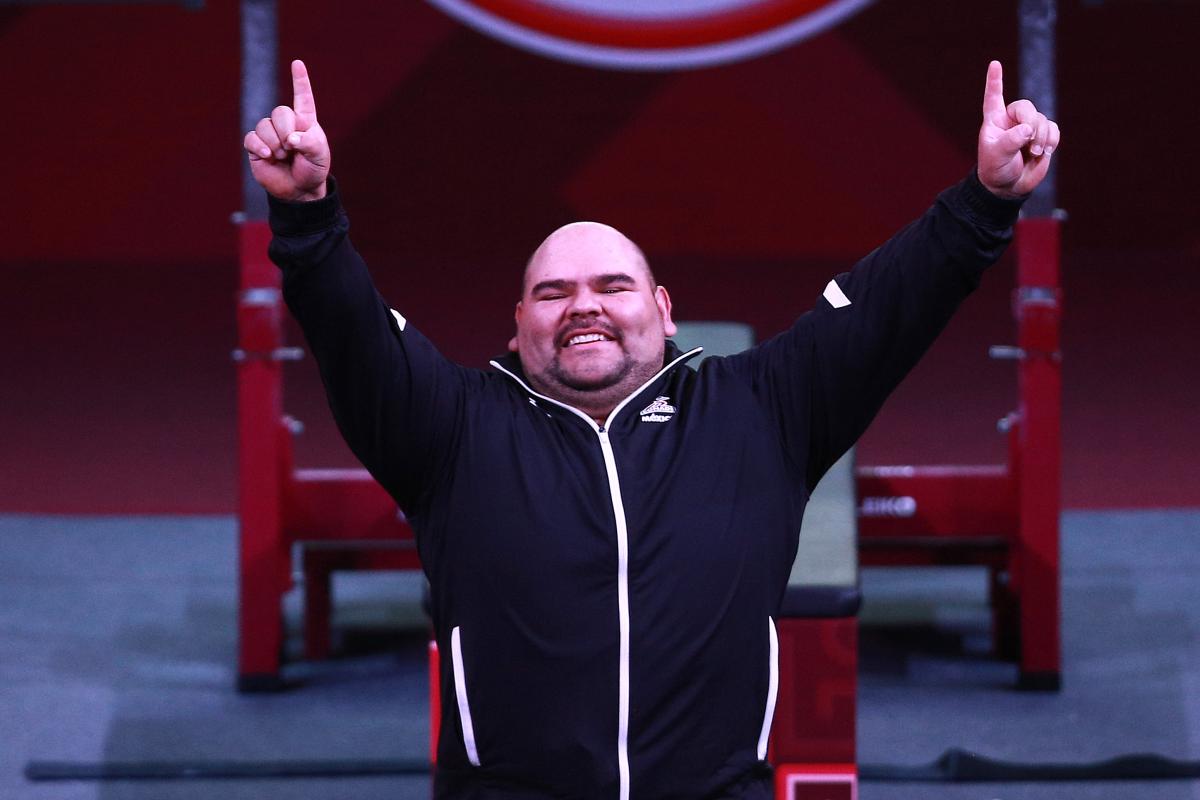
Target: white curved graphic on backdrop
<point>650,34</point>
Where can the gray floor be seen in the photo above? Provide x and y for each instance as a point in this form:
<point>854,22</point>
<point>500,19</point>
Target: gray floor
<point>1131,648</point>
<point>117,643</point>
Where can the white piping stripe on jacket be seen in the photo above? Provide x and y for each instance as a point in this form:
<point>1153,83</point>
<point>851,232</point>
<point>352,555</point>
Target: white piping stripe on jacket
<point>834,294</point>
<point>614,489</point>
<point>460,692</point>
<point>772,691</point>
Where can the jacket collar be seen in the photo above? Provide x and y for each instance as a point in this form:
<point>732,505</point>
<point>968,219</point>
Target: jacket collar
<point>673,358</point>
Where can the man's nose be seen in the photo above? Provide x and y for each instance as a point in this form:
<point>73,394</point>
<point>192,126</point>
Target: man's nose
<point>585,302</point>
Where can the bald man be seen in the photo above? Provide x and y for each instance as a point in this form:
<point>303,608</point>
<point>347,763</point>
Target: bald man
<point>608,532</point>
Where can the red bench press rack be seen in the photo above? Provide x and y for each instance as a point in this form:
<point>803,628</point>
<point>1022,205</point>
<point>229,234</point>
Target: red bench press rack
<point>1005,517</point>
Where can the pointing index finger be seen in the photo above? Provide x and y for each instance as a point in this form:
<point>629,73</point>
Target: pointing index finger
<point>993,93</point>
<point>302,97</point>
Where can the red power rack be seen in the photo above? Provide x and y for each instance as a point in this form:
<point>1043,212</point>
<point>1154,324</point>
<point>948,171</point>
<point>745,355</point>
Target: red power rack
<point>339,518</point>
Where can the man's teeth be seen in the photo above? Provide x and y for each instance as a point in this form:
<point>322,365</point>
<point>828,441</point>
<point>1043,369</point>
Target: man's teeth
<point>584,338</point>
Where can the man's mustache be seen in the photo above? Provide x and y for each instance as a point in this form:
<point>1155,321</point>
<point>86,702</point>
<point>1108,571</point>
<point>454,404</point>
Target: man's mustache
<point>571,328</point>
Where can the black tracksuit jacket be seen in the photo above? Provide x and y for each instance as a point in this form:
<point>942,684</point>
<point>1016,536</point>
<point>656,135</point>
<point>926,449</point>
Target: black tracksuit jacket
<point>603,596</point>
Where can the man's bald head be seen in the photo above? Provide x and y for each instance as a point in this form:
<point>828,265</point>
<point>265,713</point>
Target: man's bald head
<point>570,239</point>
<point>591,322</point>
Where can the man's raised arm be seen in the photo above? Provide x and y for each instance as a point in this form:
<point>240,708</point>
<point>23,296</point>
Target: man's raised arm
<point>395,398</point>
<point>829,375</point>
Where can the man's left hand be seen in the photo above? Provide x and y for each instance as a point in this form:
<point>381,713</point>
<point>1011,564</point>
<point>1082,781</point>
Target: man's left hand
<point>1015,141</point>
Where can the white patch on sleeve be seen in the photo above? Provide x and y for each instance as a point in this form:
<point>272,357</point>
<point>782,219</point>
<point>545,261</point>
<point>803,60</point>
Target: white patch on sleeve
<point>400,320</point>
<point>833,293</point>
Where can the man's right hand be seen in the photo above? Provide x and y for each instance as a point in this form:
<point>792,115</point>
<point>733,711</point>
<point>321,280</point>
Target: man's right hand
<point>289,154</point>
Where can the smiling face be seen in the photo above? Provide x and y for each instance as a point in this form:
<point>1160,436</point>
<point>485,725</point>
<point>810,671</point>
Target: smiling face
<point>591,324</point>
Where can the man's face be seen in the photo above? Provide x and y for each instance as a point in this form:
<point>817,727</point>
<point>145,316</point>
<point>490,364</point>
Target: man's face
<point>590,320</point>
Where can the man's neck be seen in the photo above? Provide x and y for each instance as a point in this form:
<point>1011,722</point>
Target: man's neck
<point>595,403</point>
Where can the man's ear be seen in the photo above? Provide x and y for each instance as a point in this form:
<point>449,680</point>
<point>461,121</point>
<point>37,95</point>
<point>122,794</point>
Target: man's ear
<point>663,300</point>
<point>512,343</point>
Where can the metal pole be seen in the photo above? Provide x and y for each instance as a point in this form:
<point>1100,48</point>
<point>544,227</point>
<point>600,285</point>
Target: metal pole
<point>260,47</point>
<point>1038,19</point>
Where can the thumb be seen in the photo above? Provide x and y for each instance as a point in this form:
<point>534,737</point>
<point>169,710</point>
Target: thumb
<point>1013,140</point>
<point>310,143</point>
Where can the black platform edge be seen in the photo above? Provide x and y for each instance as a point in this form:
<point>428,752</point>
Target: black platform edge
<point>961,766</point>
<point>821,601</point>
<point>1040,681</point>
<point>261,683</point>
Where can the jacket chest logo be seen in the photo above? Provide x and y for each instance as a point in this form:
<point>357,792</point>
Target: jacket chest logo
<point>658,411</point>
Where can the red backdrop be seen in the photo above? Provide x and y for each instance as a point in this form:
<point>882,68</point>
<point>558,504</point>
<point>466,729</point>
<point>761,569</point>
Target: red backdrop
<point>748,186</point>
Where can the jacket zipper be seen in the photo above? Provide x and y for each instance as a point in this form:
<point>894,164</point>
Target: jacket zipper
<point>614,490</point>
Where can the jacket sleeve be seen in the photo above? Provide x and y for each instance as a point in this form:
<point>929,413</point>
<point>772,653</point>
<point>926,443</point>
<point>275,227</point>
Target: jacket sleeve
<point>396,400</point>
<point>825,378</point>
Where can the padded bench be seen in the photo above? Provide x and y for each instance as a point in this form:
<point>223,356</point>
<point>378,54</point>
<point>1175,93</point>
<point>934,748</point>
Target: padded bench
<point>813,735</point>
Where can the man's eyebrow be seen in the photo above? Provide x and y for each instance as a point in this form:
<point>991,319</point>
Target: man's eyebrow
<point>615,277</point>
<point>556,285</point>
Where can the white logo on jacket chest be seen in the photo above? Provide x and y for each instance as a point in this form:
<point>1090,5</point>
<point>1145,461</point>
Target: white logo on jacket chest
<point>658,411</point>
